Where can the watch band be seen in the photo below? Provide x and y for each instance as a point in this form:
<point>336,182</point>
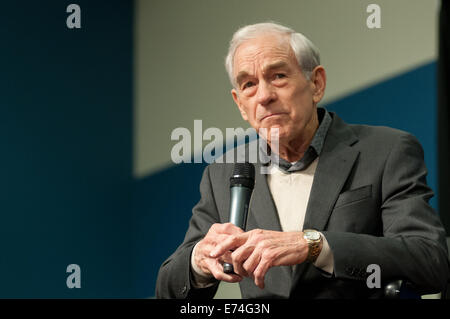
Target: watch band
<point>315,242</point>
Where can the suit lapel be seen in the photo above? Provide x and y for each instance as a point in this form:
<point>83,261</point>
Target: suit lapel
<point>262,210</point>
<point>334,166</point>
<point>331,173</point>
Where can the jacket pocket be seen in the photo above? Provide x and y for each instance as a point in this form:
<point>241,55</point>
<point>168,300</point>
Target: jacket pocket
<point>354,195</point>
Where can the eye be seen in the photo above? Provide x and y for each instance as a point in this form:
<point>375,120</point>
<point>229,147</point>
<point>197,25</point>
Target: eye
<point>280,75</point>
<point>247,85</point>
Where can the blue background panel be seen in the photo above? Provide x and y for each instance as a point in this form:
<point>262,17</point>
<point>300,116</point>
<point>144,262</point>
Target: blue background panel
<point>66,123</point>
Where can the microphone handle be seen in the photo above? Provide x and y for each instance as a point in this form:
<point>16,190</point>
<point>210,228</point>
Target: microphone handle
<point>240,199</point>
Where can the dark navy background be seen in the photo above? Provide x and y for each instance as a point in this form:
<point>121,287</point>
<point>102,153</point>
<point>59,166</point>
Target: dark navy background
<point>66,138</point>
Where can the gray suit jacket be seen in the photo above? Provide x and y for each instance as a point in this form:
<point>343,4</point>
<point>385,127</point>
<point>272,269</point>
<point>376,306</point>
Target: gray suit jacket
<point>370,200</point>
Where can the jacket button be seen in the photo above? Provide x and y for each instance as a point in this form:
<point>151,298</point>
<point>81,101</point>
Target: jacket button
<point>348,271</point>
<point>183,290</point>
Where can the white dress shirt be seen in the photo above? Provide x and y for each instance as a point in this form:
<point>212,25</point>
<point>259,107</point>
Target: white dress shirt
<point>290,192</point>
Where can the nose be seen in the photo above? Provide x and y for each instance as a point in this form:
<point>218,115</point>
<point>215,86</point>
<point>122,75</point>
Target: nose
<point>265,94</point>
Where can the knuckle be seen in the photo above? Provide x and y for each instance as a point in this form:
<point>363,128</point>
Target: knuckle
<point>236,257</point>
<point>230,240</point>
<point>269,255</point>
<point>227,226</point>
<point>247,267</point>
<point>213,228</point>
<point>262,244</point>
<point>258,274</point>
<point>257,235</point>
<point>257,232</point>
<point>215,225</point>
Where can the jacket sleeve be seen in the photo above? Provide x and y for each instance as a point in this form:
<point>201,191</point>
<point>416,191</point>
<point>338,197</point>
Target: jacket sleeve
<point>413,246</point>
<point>175,277</point>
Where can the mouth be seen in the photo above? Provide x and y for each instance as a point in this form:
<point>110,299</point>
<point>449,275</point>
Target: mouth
<point>271,115</point>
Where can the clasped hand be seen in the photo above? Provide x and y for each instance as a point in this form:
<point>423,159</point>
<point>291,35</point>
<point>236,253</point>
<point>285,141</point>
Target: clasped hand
<point>251,253</point>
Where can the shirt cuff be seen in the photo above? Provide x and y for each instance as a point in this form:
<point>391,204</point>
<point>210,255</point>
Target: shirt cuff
<point>199,279</point>
<point>325,260</point>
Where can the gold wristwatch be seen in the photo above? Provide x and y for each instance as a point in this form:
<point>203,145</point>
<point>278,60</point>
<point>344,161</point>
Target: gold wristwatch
<point>314,240</point>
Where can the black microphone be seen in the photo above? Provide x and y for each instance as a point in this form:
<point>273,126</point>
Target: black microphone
<point>241,187</point>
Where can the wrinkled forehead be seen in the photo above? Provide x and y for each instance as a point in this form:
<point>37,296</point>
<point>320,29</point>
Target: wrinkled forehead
<point>262,51</point>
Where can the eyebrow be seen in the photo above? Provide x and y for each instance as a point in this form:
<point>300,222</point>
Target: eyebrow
<point>276,65</point>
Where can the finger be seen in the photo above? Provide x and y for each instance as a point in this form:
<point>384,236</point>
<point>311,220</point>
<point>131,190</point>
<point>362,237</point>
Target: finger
<point>226,258</point>
<point>260,272</point>
<point>207,245</point>
<point>216,270</point>
<point>230,243</point>
<point>204,248</point>
<point>226,228</point>
<point>252,262</point>
<point>239,256</point>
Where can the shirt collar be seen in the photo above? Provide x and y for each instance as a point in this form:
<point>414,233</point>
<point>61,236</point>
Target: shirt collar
<point>314,149</point>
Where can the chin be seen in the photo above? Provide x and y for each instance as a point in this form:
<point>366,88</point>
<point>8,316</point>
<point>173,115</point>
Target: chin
<point>282,133</point>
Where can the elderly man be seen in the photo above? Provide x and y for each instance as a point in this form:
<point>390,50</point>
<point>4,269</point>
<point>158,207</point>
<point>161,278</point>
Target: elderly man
<point>341,198</point>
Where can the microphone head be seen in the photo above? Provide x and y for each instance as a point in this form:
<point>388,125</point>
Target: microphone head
<point>243,175</point>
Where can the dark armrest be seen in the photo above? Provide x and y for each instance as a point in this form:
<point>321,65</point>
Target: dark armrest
<point>400,289</point>
<point>392,289</point>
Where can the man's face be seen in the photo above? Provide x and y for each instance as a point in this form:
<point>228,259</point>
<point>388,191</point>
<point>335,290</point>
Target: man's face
<point>271,90</point>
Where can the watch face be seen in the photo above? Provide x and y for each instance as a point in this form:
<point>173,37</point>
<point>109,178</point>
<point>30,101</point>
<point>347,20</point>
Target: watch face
<point>312,235</point>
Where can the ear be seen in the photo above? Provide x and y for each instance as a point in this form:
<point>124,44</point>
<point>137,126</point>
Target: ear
<point>319,81</point>
<point>239,105</point>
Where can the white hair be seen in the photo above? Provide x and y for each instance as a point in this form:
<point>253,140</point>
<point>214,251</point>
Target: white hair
<point>305,51</point>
